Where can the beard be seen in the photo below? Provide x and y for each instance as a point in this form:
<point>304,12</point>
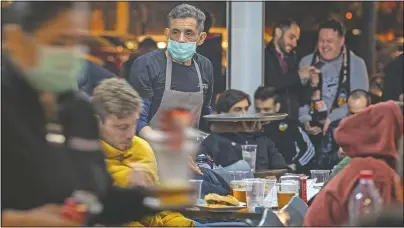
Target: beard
<point>281,44</point>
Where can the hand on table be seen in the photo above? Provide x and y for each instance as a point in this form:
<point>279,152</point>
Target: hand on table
<point>194,167</point>
<point>141,176</point>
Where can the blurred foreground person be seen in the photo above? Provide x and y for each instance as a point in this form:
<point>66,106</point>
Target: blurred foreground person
<point>371,139</point>
<point>129,159</point>
<point>51,132</point>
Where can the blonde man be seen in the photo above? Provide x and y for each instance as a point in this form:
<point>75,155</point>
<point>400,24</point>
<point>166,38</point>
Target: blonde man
<point>118,106</point>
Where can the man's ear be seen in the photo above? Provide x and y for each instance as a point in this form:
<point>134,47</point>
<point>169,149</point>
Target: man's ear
<point>202,38</point>
<point>167,33</point>
<point>278,107</point>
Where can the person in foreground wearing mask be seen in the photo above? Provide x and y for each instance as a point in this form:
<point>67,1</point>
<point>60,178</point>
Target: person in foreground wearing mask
<point>224,145</point>
<point>175,77</point>
<point>290,139</point>
<point>50,129</point>
<point>129,159</point>
<point>383,123</point>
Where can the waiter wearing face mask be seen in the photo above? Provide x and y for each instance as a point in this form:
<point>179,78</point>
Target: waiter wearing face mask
<point>50,142</point>
<point>177,77</point>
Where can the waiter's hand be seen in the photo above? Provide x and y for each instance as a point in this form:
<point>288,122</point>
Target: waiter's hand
<point>144,131</point>
<point>47,215</point>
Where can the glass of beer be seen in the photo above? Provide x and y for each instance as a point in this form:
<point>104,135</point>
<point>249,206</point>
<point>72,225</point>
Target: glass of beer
<point>285,192</point>
<point>239,189</point>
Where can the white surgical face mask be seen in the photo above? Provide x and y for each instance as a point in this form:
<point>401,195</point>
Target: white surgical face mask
<point>57,69</point>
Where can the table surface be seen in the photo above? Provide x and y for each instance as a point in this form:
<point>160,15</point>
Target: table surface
<point>192,214</point>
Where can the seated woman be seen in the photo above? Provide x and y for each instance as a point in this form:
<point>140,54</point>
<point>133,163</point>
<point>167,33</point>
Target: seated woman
<point>224,144</point>
<point>118,106</point>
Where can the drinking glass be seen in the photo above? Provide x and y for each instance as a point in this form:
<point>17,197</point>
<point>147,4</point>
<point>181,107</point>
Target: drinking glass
<point>249,155</point>
<point>255,194</point>
<point>285,192</point>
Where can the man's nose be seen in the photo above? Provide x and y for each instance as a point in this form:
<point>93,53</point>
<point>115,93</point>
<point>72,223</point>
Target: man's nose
<point>181,39</point>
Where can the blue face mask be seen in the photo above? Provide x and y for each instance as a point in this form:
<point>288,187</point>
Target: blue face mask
<point>181,52</point>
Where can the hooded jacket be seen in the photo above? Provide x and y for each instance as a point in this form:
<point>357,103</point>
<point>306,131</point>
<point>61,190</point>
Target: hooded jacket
<point>370,139</point>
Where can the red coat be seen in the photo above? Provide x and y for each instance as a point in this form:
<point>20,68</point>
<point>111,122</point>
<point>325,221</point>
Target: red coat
<point>373,132</point>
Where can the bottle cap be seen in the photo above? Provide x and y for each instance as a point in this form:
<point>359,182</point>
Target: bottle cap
<point>366,174</point>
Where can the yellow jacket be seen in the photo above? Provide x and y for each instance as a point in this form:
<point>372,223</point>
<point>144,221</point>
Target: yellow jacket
<point>119,165</point>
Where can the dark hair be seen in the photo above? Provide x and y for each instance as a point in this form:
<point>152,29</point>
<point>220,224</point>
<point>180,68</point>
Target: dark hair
<point>148,43</point>
<point>31,15</point>
<point>229,98</point>
<point>185,11</point>
<point>284,24</point>
<point>359,93</point>
<point>333,24</point>
<point>265,92</point>
<point>208,22</point>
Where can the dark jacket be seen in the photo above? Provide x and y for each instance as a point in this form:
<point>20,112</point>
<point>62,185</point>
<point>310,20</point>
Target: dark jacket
<point>292,142</point>
<point>37,170</point>
<point>393,80</point>
<point>288,85</point>
<point>92,76</point>
<point>225,149</point>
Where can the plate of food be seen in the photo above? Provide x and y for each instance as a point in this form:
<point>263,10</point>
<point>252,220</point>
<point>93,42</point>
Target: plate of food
<point>236,117</point>
<point>215,202</point>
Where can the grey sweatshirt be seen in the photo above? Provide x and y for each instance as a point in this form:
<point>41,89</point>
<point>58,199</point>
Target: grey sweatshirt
<point>330,76</point>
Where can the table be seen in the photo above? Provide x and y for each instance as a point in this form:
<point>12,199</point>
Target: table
<point>199,214</point>
<point>269,172</point>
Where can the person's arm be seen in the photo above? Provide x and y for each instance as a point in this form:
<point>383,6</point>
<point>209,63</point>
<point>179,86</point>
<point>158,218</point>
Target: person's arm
<point>304,114</point>
<point>140,79</point>
<point>359,80</point>
<point>279,81</point>
<point>143,122</point>
<point>305,148</point>
<point>275,158</point>
<point>207,108</point>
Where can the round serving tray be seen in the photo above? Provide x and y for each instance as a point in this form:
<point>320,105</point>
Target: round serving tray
<point>234,117</point>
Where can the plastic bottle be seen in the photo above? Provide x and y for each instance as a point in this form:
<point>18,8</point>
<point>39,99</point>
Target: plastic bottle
<point>365,199</point>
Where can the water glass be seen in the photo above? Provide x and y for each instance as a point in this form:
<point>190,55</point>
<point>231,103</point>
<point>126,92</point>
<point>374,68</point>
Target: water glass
<point>249,155</point>
<point>197,185</point>
<point>321,176</point>
<point>255,194</point>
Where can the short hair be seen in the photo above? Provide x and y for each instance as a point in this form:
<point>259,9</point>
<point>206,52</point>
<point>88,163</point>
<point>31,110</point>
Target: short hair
<point>208,22</point>
<point>186,11</point>
<point>335,25</point>
<point>32,15</point>
<point>360,93</point>
<point>148,43</point>
<point>284,24</point>
<point>265,92</point>
<point>229,98</point>
<point>115,96</point>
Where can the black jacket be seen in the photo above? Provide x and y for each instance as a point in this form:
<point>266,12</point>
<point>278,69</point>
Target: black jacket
<point>225,149</point>
<point>393,80</point>
<point>92,76</point>
<point>37,170</point>
<point>288,85</point>
<point>292,142</point>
